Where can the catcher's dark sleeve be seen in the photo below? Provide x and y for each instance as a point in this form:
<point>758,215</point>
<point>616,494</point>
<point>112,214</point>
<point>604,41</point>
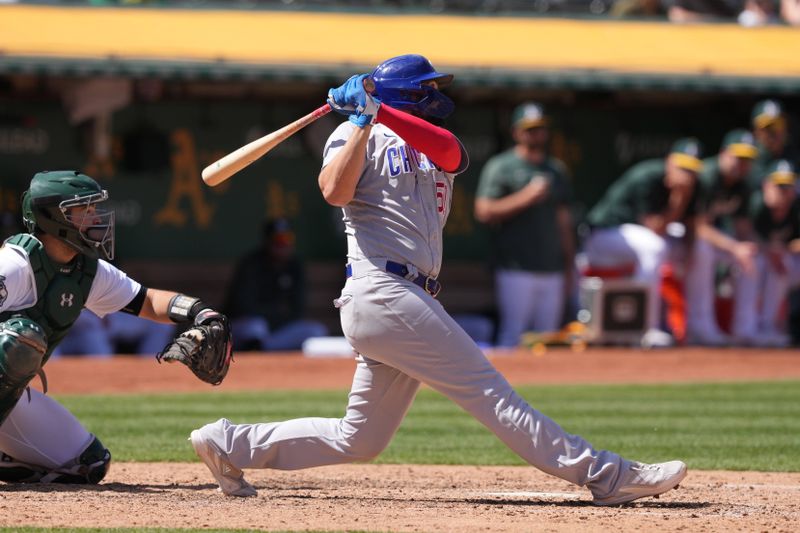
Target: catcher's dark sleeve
<point>134,307</point>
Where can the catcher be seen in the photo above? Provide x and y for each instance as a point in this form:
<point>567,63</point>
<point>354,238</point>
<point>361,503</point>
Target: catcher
<point>46,277</point>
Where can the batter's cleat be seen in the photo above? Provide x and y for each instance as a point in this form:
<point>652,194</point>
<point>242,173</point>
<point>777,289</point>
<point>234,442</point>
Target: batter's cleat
<point>231,479</point>
<point>642,480</point>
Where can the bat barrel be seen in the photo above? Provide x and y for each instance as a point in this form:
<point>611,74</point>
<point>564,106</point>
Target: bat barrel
<point>227,166</point>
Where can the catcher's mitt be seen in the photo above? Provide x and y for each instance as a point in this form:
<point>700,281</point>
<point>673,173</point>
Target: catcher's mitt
<point>205,347</point>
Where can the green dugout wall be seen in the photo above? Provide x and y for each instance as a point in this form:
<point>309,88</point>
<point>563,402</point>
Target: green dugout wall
<point>165,211</point>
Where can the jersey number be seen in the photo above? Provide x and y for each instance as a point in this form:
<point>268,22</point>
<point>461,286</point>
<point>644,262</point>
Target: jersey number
<point>441,196</point>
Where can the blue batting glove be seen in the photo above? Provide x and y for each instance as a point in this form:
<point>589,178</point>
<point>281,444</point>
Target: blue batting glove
<point>360,119</point>
<point>367,114</point>
<point>353,100</point>
<point>349,97</point>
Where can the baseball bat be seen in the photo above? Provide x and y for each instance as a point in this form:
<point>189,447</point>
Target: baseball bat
<point>225,167</point>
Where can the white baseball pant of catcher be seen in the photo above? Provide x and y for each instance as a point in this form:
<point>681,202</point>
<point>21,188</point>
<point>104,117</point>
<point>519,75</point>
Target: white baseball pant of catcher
<point>41,432</point>
<point>405,337</point>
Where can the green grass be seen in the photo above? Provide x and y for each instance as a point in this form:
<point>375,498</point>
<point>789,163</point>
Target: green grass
<point>733,426</point>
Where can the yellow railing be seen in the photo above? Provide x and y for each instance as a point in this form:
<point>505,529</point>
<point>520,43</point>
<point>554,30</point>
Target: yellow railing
<point>291,38</point>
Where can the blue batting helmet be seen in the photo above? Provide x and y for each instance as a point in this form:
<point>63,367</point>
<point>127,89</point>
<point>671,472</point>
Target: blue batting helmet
<point>399,83</point>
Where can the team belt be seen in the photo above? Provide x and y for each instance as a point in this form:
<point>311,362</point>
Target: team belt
<point>428,284</point>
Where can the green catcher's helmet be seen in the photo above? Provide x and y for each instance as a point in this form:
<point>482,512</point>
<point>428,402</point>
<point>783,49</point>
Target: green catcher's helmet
<point>47,206</point>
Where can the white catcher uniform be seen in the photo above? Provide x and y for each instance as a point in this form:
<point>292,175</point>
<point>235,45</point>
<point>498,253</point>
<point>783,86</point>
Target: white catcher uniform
<point>39,431</point>
<point>404,337</point>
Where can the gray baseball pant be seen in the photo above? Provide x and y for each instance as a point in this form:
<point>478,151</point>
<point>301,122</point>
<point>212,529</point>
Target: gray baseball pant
<point>405,337</point>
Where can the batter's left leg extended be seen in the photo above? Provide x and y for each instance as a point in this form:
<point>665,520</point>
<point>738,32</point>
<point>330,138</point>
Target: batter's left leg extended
<point>379,399</point>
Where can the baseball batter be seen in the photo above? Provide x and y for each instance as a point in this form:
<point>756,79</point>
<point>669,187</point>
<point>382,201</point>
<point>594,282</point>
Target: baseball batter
<point>46,278</point>
<point>392,172</point>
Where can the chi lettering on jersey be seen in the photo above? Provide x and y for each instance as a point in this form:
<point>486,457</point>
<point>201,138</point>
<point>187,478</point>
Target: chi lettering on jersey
<point>66,299</point>
<point>402,159</point>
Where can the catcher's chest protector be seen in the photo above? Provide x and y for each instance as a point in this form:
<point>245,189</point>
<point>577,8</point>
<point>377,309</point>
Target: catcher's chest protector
<point>60,295</point>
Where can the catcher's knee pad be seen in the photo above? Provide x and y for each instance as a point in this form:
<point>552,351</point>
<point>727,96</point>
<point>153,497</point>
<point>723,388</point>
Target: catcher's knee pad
<point>89,468</point>
<point>22,348</point>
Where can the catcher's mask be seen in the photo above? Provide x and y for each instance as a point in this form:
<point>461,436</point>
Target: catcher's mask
<point>400,83</point>
<point>48,205</point>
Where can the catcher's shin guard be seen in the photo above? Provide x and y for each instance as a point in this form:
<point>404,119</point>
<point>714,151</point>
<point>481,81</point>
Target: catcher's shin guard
<point>22,347</point>
<point>89,468</point>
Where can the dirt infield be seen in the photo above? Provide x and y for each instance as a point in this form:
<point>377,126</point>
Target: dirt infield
<point>403,498</point>
<point>410,497</point>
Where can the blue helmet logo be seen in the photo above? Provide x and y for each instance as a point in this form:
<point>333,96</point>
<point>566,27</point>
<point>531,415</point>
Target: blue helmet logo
<point>400,82</point>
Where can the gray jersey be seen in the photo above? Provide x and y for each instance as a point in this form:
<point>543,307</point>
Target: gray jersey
<point>400,205</point>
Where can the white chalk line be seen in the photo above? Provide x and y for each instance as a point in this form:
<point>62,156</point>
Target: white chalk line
<point>537,495</point>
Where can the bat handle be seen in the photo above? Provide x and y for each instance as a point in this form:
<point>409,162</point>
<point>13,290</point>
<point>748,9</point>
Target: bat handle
<point>369,84</point>
<point>321,111</point>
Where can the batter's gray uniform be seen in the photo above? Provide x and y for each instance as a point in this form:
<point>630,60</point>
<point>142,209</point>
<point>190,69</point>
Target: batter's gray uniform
<point>404,337</point>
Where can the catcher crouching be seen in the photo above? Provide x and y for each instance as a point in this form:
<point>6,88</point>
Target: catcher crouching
<point>47,276</point>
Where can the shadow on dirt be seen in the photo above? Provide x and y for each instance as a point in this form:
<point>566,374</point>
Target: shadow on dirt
<point>134,488</point>
<point>499,502</point>
<point>586,503</point>
<point>284,494</point>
